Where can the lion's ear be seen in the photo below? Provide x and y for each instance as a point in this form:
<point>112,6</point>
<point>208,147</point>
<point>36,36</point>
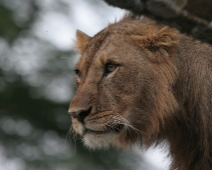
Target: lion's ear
<point>82,41</point>
<point>159,45</point>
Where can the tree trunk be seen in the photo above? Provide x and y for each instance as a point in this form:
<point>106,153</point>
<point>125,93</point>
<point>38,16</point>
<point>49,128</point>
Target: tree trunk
<point>193,17</point>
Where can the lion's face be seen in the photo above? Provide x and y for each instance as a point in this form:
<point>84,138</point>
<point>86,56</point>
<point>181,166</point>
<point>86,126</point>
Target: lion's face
<point>118,88</point>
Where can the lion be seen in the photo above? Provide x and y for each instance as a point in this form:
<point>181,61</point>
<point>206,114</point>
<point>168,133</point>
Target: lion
<point>140,82</point>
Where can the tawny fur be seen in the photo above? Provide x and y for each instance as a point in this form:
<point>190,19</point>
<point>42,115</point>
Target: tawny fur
<point>161,90</point>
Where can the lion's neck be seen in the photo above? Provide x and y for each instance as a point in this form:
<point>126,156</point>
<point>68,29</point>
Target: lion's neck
<point>190,147</point>
<point>189,132</point>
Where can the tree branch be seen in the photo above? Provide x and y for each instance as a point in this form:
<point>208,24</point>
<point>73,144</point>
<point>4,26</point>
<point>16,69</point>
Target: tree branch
<point>191,17</point>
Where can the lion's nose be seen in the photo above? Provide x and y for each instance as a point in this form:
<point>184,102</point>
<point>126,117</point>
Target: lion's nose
<point>80,114</point>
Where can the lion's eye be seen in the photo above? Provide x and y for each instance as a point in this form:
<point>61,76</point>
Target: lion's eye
<point>78,73</point>
<point>110,68</point>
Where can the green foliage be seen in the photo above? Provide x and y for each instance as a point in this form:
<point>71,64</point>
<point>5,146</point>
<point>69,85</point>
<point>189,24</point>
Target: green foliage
<point>9,30</point>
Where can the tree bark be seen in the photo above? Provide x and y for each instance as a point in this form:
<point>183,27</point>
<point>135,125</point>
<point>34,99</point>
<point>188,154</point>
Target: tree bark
<point>192,17</point>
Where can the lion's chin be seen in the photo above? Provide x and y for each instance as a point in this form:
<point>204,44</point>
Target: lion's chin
<point>99,141</point>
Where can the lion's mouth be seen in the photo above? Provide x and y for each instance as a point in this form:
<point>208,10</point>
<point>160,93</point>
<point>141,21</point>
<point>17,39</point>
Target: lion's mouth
<point>109,129</point>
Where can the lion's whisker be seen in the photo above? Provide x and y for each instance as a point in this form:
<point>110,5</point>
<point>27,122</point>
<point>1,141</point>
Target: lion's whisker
<point>126,123</point>
<point>73,136</point>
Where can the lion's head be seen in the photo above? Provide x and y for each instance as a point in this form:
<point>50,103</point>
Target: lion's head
<point>124,81</point>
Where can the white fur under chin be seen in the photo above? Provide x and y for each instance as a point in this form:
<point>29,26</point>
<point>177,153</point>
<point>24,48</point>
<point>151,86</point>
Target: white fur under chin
<point>97,141</point>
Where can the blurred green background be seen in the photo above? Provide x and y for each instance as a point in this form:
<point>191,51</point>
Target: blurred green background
<point>36,86</point>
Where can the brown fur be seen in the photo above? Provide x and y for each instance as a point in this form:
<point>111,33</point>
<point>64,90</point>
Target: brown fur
<point>82,42</point>
<point>160,90</point>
